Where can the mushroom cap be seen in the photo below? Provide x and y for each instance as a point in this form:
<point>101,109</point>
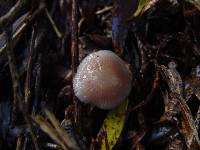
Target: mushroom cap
<point>102,79</point>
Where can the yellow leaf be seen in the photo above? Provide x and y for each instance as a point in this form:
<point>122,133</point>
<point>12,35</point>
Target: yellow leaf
<point>113,126</point>
<point>196,3</point>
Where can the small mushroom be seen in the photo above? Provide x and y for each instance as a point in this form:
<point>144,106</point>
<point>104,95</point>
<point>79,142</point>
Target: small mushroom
<point>102,79</point>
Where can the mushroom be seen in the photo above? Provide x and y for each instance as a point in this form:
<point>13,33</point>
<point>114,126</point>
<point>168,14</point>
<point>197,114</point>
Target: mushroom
<point>102,79</point>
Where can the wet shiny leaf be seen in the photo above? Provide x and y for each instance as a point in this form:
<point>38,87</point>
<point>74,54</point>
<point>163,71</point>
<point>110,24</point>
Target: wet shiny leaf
<point>113,126</point>
<point>177,102</point>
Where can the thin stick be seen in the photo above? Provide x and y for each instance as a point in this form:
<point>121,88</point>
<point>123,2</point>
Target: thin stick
<point>37,84</point>
<point>19,32</point>
<point>74,36</point>
<point>15,78</point>
<point>17,90</point>
<point>74,50</point>
<point>13,13</point>
<point>29,68</point>
<point>58,33</point>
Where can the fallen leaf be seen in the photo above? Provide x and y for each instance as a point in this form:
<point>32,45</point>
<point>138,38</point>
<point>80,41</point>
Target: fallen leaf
<point>113,126</point>
<point>187,128</point>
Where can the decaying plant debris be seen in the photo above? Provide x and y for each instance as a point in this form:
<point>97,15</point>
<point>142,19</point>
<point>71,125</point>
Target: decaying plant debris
<point>41,45</point>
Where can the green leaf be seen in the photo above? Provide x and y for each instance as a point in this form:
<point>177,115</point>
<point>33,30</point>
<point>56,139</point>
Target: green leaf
<point>141,5</point>
<point>113,126</point>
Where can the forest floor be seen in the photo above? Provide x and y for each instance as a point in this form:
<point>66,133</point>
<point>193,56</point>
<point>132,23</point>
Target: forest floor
<point>43,42</point>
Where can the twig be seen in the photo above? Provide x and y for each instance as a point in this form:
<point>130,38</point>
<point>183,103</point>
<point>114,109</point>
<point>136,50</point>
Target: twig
<point>74,36</point>
<point>17,34</point>
<point>105,9</point>
<point>68,139</point>
<point>48,128</point>
<point>17,90</point>
<point>37,84</point>
<point>58,33</point>
<point>15,77</point>
<point>74,50</point>
<point>15,38</point>
<point>13,13</point>
<point>29,68</point>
